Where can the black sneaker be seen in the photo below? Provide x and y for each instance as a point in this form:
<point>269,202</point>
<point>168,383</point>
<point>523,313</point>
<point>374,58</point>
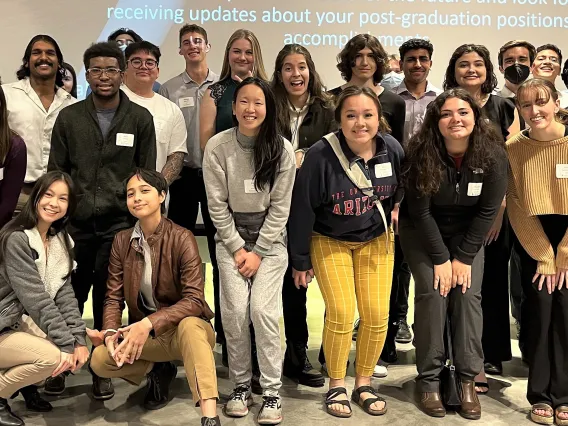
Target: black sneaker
<point>55,385</point>
<point>210,421</point>
<point>403,335</point>
<point>102,388</point>
<point>34,401</point>
<point>159,381</point>
<point>7,418</point>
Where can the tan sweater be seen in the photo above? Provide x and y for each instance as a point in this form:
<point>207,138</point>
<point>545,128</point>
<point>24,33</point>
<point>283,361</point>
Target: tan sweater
<point>536,187</point>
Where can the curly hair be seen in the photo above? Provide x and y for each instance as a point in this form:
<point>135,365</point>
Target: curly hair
<point>490,83</point>
<point>426,151</point>
<point>346,58</point>
<point>415,44</point>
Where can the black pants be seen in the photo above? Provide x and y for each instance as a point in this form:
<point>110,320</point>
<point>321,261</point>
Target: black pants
<point>92,253</point>
<point>187,195</point>
<point>430,314</point>
<point>496,338</point>
<point>295,311</point>
<point>545,325</point>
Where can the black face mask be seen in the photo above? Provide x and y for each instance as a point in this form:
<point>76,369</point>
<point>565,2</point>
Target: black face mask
<point>517,73</point>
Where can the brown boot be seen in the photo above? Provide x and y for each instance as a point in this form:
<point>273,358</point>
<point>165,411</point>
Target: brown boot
<point>431,404</point>
<point>470,407</point>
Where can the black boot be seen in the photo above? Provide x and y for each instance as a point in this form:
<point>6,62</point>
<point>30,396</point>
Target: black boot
<point>7,418</point>
<point>55,385</point>
<point>103,389</point>
<point>210,421</point>
<point>297,366</point>
<point>34,401</point>
<point>159,381</point>
<point>389,354</point>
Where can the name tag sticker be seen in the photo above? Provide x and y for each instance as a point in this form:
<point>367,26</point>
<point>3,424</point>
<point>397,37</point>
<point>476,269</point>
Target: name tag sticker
<point>562,171</point>
<point>1,173</point>
<point>474,189</point>
<point>186,102</point>
<point>249,186</point>
<point>125,139</point>
<point>383,170</point>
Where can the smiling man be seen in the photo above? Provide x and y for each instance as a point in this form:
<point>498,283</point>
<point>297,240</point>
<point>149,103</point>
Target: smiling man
<point>34,102</point>
<point>547,65</point>
<point>99,141</point>
<point>142,70</point>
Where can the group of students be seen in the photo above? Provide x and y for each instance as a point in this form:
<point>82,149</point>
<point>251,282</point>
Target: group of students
<point>358,186</point>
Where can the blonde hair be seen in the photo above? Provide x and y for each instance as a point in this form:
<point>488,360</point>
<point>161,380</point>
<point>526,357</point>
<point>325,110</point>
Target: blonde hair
<point>258,67</point>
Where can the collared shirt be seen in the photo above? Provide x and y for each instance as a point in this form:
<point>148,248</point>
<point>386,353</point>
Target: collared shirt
<point>415,108</point>
<point>171,133</point>
<point>29,119</point>
<point>563,97</point>
<point>505,92</point>
<point>146,281</point>
<point>187,94</point>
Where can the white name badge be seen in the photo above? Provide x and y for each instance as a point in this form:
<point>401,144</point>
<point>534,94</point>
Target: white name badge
<point>249,186</point>
<point>125,139</point>
<point>474,189</point>
<point>383,170</point>
<point>1,173</point>
<point>185,102</point>
<point>562,171</point>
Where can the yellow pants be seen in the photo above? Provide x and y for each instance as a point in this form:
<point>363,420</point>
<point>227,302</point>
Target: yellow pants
<point>347,272</point>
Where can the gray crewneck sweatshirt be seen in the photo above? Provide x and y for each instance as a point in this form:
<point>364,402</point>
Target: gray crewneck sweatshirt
<point>228,172</point>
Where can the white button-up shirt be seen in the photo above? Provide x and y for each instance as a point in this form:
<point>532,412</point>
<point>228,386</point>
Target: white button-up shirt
<point>28,118</point>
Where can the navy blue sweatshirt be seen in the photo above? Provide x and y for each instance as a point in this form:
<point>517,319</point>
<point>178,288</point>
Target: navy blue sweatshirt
<point>455,220</point>
<point>327,202</point>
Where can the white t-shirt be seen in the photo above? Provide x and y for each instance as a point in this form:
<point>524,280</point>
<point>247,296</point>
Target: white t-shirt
<point>171,133</point>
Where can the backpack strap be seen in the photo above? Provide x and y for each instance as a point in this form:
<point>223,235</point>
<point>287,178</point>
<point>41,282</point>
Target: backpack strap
<point>359,179</point>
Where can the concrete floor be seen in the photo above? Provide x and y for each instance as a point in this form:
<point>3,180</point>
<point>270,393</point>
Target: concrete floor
<point>504,405</point>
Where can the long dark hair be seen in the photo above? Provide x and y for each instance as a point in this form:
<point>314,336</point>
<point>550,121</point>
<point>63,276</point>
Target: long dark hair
<point>69,67</point>
<point>540,89</point>
<point>5,132</point>
<point>28,218</point>
<point>316,88</point>
<point>24,70</point>
<point>490,83</point>
<point>269,143</point>
<point>426,155</point>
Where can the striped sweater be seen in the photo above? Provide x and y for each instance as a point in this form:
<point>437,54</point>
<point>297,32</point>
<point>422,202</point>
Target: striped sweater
<point>538,185</point>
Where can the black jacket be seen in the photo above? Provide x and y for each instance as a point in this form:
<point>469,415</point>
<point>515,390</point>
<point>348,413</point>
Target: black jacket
<point>454,221</point>
<point>318,122</point>
<point>327,202</point>
<point>99,167</point>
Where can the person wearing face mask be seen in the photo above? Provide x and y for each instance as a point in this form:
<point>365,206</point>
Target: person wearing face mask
<point>515,59</point>
<point>362,63</point>
<point>394,76</point>
<point>455,179</point>
<point>538,208</point>
<point>547,65</point>
<point>305,115</point>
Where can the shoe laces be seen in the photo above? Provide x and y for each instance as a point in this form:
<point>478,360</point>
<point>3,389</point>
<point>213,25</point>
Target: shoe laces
<point>240,393</point>
<point>270,401</point>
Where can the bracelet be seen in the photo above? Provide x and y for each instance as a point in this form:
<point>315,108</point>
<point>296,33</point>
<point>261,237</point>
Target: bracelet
<point>109,330</point>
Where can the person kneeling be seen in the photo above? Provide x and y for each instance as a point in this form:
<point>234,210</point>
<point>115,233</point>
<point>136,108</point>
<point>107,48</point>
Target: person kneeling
<point>41,331</point>
<point>156,269</point>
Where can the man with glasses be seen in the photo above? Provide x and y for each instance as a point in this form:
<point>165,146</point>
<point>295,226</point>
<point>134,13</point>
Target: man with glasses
<point>142,59</point>
<point>99,141</point>
<point>547,65</point>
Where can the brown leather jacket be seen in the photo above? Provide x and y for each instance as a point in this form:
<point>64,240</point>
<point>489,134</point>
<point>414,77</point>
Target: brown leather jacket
<point>177,278</point>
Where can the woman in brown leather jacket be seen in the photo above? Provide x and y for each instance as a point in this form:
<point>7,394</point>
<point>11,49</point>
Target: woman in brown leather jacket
<point>156,269</point>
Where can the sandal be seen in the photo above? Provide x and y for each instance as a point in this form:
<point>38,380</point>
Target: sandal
<point>366,404</point>
<point>561,409</point>
<point>542,420</point>
<point>329,401</point>
<point>482,385</point>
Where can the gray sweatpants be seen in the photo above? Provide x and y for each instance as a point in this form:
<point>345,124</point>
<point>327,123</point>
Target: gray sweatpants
<point>430,310</point>
<point>261,304</point>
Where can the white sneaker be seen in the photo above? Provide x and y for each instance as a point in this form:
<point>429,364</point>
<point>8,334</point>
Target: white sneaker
<point>271,411</point>
<point>239,402</point>
<point>380,371</point>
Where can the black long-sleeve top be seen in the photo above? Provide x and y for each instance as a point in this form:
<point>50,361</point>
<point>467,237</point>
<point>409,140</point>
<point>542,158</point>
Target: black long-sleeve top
<point>327,202</point>
<point>454,222</point>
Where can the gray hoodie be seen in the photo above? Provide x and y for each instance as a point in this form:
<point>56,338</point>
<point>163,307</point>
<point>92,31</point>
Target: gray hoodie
<point>23,291</point>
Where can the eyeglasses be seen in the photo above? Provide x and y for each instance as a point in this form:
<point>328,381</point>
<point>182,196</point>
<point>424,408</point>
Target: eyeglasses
<point>149,63</point>
<point>109,72</point>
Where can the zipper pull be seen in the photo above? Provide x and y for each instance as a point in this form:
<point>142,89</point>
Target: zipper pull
<point>458,187</point>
